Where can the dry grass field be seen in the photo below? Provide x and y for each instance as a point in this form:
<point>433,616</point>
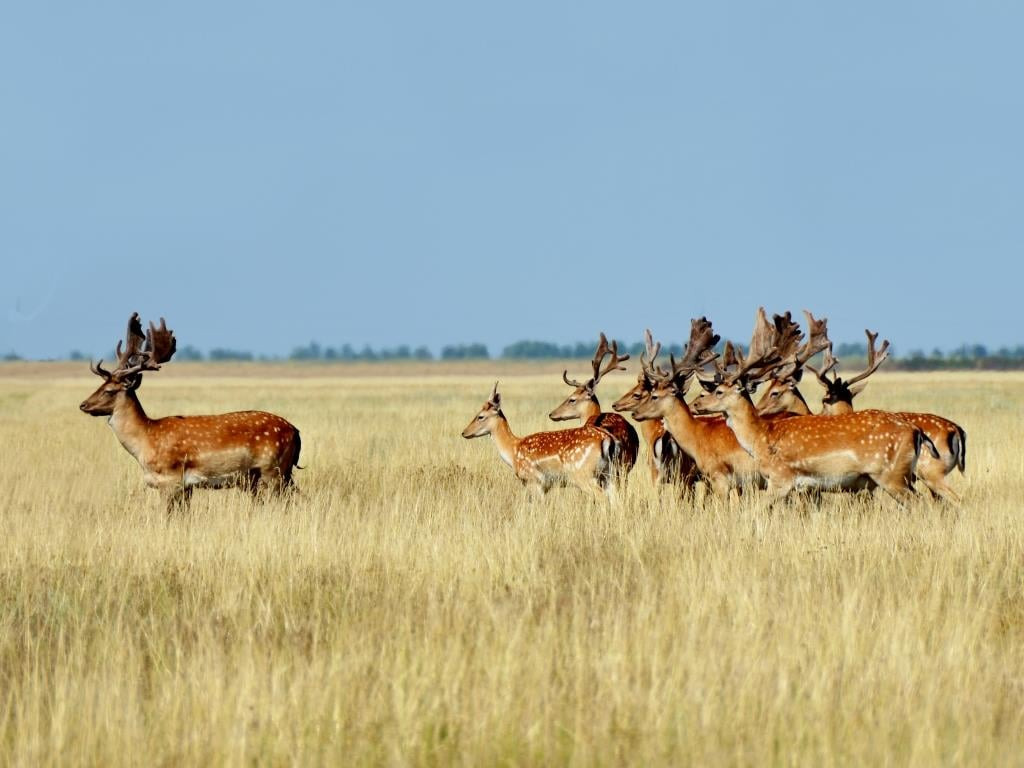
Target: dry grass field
<point>413,606</point>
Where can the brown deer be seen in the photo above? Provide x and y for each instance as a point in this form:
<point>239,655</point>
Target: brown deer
<point>583,404</point>
<point>583,456</point>
<point>722,463</point>
<point>824,452</point>
<point>783,393</point>
<point>949,437</point>
<point>179,453</point>
<point>668,462</point>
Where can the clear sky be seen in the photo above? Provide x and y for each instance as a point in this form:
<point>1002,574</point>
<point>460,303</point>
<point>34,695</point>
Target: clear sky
<point>264,174</point>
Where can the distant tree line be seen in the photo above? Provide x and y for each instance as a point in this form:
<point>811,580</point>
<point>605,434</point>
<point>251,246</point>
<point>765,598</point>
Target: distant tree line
<point>966,356</point>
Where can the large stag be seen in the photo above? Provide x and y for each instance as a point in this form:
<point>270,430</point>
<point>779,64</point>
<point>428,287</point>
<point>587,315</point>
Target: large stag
<point>783,393</point>
<point>583,404</point>
<point>827,452</point>
<point>179,453</point>
<point>668,462</point>
<point>720,460</point>
<point>949,438</point>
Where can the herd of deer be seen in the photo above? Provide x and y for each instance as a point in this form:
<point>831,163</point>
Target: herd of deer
<point>776,444</point>
<point>722,437</point>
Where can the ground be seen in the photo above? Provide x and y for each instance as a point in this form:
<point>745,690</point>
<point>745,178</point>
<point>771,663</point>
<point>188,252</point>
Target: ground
<point>413,605</point>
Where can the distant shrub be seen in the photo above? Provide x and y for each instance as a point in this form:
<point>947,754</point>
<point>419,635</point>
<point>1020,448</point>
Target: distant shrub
<point>221,354</point>
<point>465,352</point>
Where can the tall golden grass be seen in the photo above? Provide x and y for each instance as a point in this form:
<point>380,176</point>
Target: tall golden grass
<point>413,605</point>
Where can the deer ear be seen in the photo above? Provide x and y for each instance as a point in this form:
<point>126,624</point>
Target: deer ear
<point>856,389</point>
<point>708,386</point>
<point>799,374</point>
<point>131,382</point>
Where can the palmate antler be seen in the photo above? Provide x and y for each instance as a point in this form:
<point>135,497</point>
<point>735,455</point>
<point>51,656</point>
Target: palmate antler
<point>127,349</point>
<point>817,341</point>
<point>700,350</point>
<point>132,357</point>
<point>771,344</point>
<point>698,353</point>
<point>603,350</point>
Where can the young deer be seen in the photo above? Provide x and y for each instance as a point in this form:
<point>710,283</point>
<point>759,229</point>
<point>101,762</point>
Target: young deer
<point>949,438</point>
<point>179,453</point>
<point>720,460</point>
<point>583,404</point>
<point>668,462</point>
<point>583,456</point>
<point>826,452</point>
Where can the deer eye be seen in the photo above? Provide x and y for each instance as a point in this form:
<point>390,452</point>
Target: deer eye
<point>481,416</point>
<point>572,399</point>
<point>776,394</point>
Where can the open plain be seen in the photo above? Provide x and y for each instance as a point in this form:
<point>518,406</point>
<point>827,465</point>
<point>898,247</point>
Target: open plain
<point>413,605</point>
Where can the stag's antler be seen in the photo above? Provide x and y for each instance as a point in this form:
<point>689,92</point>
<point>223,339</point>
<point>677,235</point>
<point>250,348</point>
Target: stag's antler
<point>652,371</point>
<point>127,349</point>
<point>875,357</point>
<point>817,341</point>
<point>770,345</point>
<point>700,350</point>
<point>828,365</point>
<point>602,351</point>
<point>132,357</point>
<point>160,344</point>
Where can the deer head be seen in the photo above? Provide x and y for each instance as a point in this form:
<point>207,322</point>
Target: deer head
<point>839,393</point>
<point>737,375</point>
<point>672,384</point>
<point>583,396</point>
<point>132,360</point>
<point>486,418</point>
<point>783,393</point>
<point>644,383</point>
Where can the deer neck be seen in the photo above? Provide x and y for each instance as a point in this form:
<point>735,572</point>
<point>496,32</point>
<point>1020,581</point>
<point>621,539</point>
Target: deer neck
<point>652,429</point>
<point>505,441</point>
<point>679,422</point>
<point>130,423</point>
<point>748,426</point>
<point>835,409</point>
<point>800,407</point>
<point>591,409</point>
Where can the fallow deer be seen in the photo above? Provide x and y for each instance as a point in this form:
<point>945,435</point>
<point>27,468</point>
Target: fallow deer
<point>949,437</point>
<point>583,404</point>
<point>179,453</point>
<point>825,452</point>
<point>583,456</point>
<point>722,463</point>
<point>668,462</point>
<point>783,393</point>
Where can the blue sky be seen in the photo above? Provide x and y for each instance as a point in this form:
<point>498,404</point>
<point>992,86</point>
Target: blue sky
<point>425,173</point>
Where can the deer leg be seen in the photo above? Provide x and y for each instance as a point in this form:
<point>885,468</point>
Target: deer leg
<point>935,482</point>
<point>252,482</point>
<point>897,485</point>
<point>777,490</point>
<point>721,486</point>
<point>611,492</point>
<point>177,497</point>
